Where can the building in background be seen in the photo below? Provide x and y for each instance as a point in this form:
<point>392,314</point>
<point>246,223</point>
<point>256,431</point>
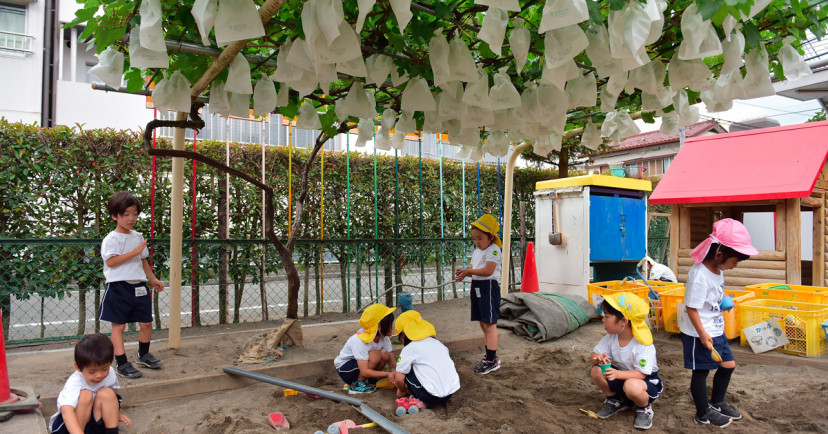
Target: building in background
<point>646,154</point>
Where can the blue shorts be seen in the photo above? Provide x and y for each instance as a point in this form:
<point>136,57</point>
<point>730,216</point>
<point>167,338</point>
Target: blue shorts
<point>92,427</point>
<point>654,386</point>
<point>485,301</point>
<point>120,305</point>
<point>349,372</point>
<point>420,392</point>
<point>697,356</point>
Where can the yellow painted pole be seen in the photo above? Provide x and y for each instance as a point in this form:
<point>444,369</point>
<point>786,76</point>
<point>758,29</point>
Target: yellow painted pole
<point>176,228</point>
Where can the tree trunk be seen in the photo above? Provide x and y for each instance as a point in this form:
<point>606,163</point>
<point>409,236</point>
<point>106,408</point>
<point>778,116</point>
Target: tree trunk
<point>388,270</point>
<point>263,284</point>
<point>237,299</point>
<point>307,287</point>
<point>439,264</point>
<point>343,280</point>
<point>563,162</point>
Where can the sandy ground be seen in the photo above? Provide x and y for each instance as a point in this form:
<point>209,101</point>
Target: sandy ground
<point>539,388</point>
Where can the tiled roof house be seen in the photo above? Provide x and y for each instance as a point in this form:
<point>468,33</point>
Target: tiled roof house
<point>647,154</point>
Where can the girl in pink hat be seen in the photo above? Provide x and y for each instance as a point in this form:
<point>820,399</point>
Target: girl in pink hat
<point>702,323</point>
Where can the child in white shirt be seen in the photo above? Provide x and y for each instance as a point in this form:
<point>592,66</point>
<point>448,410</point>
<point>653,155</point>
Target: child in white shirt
<point>88,402</point>
<point>632,377</point>
<point>366,353</point>
<point>425,369</point>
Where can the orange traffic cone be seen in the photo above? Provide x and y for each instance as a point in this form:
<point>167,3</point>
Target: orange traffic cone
<point>529,282</point>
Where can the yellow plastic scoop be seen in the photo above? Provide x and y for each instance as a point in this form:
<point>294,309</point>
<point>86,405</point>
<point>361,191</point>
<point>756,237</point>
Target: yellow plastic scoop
<point>589,413</point>
<point>715,355</point>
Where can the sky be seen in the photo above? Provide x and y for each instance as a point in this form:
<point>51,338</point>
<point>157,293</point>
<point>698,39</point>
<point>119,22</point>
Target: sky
<point>786,111</point>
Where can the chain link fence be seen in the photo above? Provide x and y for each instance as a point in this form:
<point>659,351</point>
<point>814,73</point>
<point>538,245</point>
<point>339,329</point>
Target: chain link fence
<point>52,288</point>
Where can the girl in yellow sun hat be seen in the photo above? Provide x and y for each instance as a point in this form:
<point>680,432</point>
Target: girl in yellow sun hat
<point>366,353</point>
<point>425,369</point>
<point>485,290</point>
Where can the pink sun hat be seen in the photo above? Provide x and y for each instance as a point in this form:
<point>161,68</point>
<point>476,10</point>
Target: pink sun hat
<point>727,232</point>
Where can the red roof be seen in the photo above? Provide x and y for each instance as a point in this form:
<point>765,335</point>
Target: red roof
<point>653,138</point>
<point>770,163</point>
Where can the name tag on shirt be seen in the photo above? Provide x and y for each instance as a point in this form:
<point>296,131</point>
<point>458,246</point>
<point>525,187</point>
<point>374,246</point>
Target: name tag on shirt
<point>140,291</point>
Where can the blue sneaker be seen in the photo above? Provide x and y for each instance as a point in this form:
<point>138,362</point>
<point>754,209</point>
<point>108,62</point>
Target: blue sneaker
<point>358,387</point>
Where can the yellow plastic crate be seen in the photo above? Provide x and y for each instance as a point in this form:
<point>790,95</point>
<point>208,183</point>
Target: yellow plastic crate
<point>782,291</point>
<point>732,327</point>
<point>638,288</point>
<point>801,322</point>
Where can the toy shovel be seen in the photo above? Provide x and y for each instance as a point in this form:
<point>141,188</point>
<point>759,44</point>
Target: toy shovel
<point>715,355</point>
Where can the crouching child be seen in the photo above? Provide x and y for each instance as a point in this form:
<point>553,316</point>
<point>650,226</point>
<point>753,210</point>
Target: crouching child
<point>88,402</point>
<point>625,359</point>
<point>424,370</point>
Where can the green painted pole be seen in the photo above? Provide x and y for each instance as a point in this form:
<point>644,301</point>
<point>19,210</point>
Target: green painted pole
<point>376,229</point>
<point>346,304</point>
<point>422,265</point>
<point>465,252</point>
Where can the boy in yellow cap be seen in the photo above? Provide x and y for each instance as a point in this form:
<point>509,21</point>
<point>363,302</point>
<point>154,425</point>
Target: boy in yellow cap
<point>485,290</point>
<point>425,369</point>
<point>633,376</point>
<point>367,352</point>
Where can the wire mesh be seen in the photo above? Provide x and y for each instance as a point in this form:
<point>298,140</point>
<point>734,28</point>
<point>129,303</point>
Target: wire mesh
<point>53,288</point>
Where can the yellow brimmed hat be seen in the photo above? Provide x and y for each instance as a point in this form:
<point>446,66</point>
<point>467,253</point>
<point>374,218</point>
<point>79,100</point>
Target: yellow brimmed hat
<point>635,309</point>
<point>414,326</point>
<point>487,223</point>
<point>370,320</point>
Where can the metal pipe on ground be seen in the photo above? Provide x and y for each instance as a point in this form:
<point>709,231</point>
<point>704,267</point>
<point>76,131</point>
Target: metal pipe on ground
<point>361,407</point>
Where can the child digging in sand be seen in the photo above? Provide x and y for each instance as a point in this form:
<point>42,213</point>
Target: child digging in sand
<point>633,376</point>
<point>367,352</point>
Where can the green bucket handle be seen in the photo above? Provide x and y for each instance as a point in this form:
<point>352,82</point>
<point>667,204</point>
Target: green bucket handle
<point>780,287</point>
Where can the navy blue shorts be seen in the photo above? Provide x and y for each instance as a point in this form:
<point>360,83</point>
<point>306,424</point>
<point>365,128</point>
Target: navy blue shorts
<point>697,356</point>
<point>420,392</point>
<point>349,372</point>
<point>92,427</point>
<point>485,301</point>
<point>121,306</point>
<point>654,386</point>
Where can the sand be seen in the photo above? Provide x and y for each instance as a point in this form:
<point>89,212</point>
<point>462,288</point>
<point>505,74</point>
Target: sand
<point>539,388</point>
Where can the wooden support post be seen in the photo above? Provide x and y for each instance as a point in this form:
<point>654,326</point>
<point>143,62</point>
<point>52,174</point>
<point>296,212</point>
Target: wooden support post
<point>793,245</point>
<point>675,224</point>
<point>780,227</point>
<point>176,231</point>
<point>818,274</point>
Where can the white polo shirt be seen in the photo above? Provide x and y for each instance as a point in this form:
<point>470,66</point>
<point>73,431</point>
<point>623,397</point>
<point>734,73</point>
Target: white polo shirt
<point>481,257</point>
<point>116,244</point>
<point>432,365</point>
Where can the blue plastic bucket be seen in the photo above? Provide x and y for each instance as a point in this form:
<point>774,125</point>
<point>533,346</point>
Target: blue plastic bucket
<point>405,301</point>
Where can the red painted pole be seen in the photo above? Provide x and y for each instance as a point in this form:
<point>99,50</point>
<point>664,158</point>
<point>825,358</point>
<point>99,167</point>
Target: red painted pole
<point>5,391</point>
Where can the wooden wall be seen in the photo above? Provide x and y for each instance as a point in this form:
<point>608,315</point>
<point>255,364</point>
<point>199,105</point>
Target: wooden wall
<point>690,224</point>
<point>693,223</point>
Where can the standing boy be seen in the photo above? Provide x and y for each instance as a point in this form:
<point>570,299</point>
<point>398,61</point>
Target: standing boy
<point>88,402</point>
<point>127,298</point>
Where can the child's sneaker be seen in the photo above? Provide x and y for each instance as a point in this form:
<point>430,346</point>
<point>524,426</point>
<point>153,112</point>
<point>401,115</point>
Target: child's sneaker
<point>713,417</point>
<point>612,406</point>
<point>479,365</point>
<point>486,366</point>
<point>358,387</point>
<point>726,410</point>
<point>128,371</point>
<point>643,417</point>
<point>149,361</point>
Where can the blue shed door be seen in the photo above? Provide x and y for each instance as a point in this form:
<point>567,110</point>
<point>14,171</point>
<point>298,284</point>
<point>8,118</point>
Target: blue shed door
<point>616,228</point>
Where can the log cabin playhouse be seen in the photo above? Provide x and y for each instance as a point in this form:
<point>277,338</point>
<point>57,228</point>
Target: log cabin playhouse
<point>778,170</point>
